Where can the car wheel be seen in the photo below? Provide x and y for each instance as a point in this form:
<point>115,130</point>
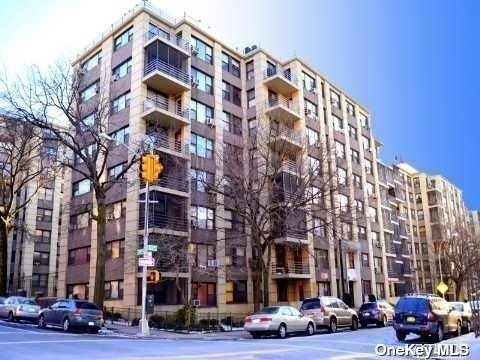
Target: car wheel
<point>256,335</point>
<point>41,322</point>
<point>333,325</point>
<point>459,328</point>
<point>439,334</point>
<point>354,326</point>
<point>66,325</point>
<point>363,325</point>
<point>400,335</point>
<point>282,331</point>
<point>11,318</point>
<point>310,329</point>
<point>384,321</point>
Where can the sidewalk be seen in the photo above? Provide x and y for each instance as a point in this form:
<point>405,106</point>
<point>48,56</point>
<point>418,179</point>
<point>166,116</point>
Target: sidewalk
<point>134,332</point>
<point>471,341</point>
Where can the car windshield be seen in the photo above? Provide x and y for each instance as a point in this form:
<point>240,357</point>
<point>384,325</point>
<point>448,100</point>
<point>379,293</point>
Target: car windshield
<point>309,304</point>
<point>27,302</point>
<point>412,304</point>
<point>456,306</point>
<point>368,306</point>
<point>268,310</point>
<point>86,305</point>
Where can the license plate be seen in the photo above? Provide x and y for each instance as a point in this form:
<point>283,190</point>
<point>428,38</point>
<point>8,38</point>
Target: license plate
<point>91,323</point>
<point>410,319</point>
<point>366,314</point>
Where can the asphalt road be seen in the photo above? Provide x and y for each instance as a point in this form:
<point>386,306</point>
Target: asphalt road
<point>25,342</point>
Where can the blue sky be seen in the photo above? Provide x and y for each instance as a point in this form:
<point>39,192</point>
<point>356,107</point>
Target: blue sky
<point>414,64</point>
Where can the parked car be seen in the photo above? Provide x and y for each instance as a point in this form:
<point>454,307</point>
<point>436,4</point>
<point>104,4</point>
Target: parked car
<point>426,315</point>
<point>45,302</point>
<point>72,314</point>
<point>379,313</point>
<point>466,312</point>
<point>16,308</point>
<point>329,312</point>
<point>278,320</point>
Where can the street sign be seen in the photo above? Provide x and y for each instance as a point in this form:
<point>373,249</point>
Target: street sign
<point>442,287</point>
<point>150,248</point>
<point>146,261</point>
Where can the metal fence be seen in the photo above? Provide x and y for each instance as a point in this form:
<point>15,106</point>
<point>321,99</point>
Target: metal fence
<point>174,320</point>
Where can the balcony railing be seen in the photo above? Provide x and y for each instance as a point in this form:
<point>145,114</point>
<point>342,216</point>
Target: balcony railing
<point>171,38</point>
<point>290,231</point>
<point>162,66</point>
<point>296,267</point>
<point>282,101</point>
<point>284,74</point>
<point>165,222</point>
<point>163,103</point>
<point>159,140</point>
<point>290,134</point>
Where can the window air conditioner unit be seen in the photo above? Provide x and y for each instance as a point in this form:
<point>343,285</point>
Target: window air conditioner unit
<point>193,224</point>
<point>195,83</point>
<point>378,245</point>
<point>377,271</point>
<point>212,263</point>
<point>210,122</point>
<point>196,302</point>
<point>308,111</point>
<point>314,90</point>
<point>115,77</point>
<point>195,50</point>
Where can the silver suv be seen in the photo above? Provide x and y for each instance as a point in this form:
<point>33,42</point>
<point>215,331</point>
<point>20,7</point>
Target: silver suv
<point>329,312</point>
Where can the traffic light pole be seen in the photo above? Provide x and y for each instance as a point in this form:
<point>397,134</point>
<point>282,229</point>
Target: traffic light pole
<point>145,329</point>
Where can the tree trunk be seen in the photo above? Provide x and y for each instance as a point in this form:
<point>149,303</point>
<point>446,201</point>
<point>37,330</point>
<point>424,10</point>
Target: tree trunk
<point>3,257</point>
<point>99,288</point>
<point>458,288</point>
<point>266,277</point>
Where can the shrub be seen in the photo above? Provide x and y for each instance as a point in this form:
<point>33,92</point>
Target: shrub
<point>135,322</point>
<point>186,316</point>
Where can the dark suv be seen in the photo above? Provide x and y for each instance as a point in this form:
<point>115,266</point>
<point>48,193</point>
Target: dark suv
<point>379,313</point>
<point>426,315</point>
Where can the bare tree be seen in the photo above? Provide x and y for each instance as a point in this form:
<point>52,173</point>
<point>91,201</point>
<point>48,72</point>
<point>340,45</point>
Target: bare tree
<point>24,167</point>
<point>63,95</point>
<point>276,191</point>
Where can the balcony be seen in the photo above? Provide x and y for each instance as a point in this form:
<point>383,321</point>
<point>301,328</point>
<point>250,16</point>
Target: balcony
<point>165,114</point>
<point>163,222</point>
<point>171,182</point>
<point>281,108</point>
<point>286,140</point>
<point>168,39</point>
<point>166,78</point>
<point>167,144</point>
<point>291,270</point>
<point>280,82</point>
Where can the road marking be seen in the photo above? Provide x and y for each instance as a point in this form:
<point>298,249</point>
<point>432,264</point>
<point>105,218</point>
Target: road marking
<point>244,355</point>
<point>37,332</point>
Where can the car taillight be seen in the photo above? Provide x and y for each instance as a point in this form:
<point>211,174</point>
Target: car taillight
<point>77,312</point>
<point>431,316</point>
<point>265,319</point>
<point>248,319</point>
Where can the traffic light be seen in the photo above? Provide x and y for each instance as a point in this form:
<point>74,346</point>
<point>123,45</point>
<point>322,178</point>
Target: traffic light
<point>153,277</point>
<point>150,168</point>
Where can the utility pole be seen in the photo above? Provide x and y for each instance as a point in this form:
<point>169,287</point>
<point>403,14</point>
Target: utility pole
<point>150,170</point>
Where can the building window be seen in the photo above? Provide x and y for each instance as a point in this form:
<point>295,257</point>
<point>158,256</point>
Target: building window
<point>337,123</point>
<point>39,280</point>
<point>377,265</point>
<point>364,121</point>
<point>80,221</point>
<point>79,291</point>
<point>114,290</point>
<point>365,261</point>
<point>314,165</point>
<point>351,260</point>
<point>362,233</point>
<point>202,217</point>
<point>41,258</point>
<point>231,93</point>
<point>201,146</point>
<point>202,50</point>
<point>121,102</point>
<point>350,109</point>
<point>380,290</point>
<point>200,112</point>
<point>352,132</point>
<point>365,143</point>
<point>334,99</point>
<point>45,194</point>
<point>324,288</point>
<point>251,98</point>
<point>339,150</point>
<point>227,218</point>
<point>341,176</point>
<point>92,61</point>
<point>121,70</point>
<point>368,167</point>
<point>372,214</point>
<point>355,155</point>
<point>359,206</point>
<point>87,122</point>
<point>115,249</point>
<point>114,171</point>
<point>205,293</point>
<point>312,137</point>
<point>115,210</point>
<point>250,70</point>
<point>236,292</point>
<point>321,259</point>
<point>90,92</point>
<point>88,152</point>
<point>123,39</point>
<point>311,110</point>
<point>319,229</point>
<point>81,187</point>
<point>202,254</point>
<point>202,81</point>
<point>370,189</point>
<point>200,180</point>
<point>357,181</point>
<point>79,256</point>
<point>236,257</point>
<point>366,287</point>
<point>231,123</point>
<point>121,136</point>
<point>230,64</point>
<point>42,236</point>
<point>44,215</point>
<point>343,203</point>
<point>308,82</point>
